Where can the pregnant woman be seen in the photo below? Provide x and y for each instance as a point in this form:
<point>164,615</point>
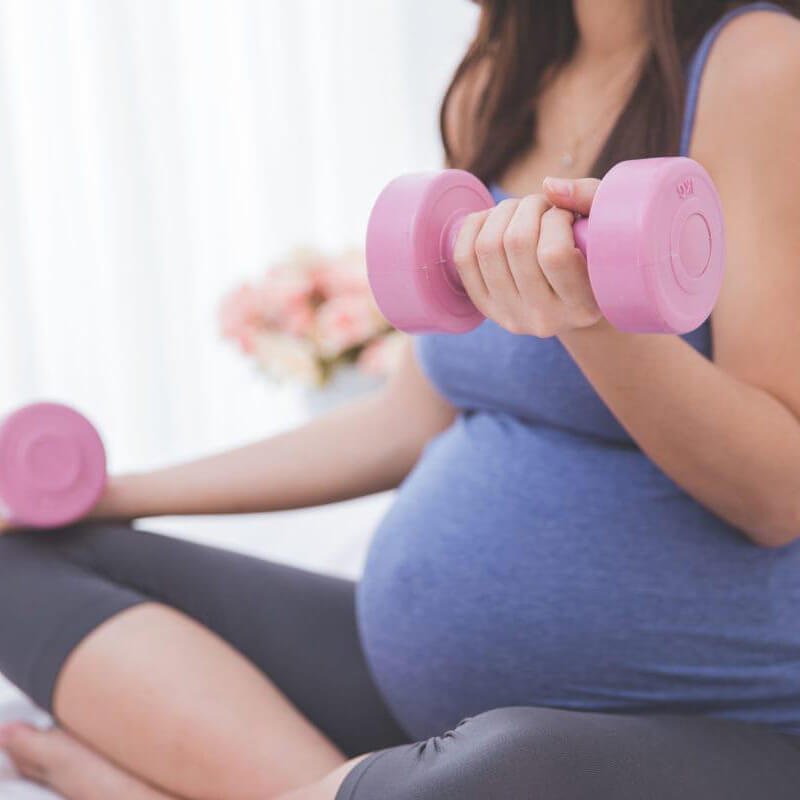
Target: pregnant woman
<point>588,587</point>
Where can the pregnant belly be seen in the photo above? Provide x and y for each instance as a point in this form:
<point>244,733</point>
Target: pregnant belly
<point>525,566</point>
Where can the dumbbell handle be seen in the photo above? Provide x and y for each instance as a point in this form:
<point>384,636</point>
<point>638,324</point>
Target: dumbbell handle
<point>580,230</point>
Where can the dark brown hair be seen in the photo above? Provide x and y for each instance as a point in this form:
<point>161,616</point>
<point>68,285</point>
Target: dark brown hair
<point>521,42</point>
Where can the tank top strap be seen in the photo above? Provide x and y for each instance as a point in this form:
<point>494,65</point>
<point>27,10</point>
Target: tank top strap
<point>698,63</point>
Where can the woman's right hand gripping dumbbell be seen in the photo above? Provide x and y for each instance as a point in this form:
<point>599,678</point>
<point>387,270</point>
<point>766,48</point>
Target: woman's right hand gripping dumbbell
<point>520,264</point>
<point>649,258</point>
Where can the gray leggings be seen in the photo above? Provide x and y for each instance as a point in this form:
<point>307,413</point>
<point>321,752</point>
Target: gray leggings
<point>299,628</point>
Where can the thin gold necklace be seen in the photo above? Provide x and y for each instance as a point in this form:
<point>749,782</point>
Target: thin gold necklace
<point>569,157</point>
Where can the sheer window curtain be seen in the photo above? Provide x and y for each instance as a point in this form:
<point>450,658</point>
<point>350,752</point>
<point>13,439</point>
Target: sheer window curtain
<point>155,152</point>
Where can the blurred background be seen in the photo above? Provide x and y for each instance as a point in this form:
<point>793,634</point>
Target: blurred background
<point>156,153</point>
<point>154,156</point>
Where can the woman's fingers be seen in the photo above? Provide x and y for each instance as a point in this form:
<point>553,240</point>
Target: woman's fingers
<point>562,263</point>
<point>466,260</point>
<point>573,194</point>
<point>564,267</point>
<point>490,250</point>
<point>520,242</point>
<point>481,260</point>
<point>8,527</point>
<point>520,266</point>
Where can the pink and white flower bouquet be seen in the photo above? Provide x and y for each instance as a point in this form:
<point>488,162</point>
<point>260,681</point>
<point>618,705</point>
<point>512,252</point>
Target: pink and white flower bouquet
<point>310,315</point>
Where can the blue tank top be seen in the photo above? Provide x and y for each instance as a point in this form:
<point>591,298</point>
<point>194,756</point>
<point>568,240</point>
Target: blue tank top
<point>535,556</point>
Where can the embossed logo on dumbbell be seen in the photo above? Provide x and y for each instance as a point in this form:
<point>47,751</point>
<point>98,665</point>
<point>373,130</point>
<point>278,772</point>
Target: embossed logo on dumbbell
<point>685,188</point>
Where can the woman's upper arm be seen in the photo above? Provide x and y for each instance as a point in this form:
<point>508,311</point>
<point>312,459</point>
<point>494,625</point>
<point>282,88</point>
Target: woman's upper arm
<point>420,410</point>
<point>748,136</point>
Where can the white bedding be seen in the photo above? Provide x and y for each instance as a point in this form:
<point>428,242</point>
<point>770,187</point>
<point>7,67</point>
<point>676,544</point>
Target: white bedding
<point>329,539</point>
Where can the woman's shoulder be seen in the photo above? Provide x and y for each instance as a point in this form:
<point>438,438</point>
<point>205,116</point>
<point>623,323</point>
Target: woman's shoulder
<point>751,83</point>
<point>754,53</point>
<point>746,135</point>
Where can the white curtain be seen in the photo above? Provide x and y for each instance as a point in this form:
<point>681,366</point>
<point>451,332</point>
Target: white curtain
<point>155,152</point>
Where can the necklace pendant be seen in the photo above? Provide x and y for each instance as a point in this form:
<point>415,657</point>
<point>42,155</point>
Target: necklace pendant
<point>567,160</point>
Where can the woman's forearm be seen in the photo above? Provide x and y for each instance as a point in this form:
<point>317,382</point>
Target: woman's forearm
<point>731,445</point>
<point>366,447</point>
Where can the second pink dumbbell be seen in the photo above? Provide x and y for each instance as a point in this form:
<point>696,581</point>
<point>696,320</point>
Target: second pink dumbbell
<point>654,245</point>
<point>52,466</point>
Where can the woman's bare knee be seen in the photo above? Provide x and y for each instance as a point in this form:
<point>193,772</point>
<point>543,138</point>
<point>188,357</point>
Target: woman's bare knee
<point>173,703</point>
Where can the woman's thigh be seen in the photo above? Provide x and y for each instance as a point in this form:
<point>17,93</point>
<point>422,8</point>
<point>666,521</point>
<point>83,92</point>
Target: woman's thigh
<point>298,627</point>
<point>548,754</point>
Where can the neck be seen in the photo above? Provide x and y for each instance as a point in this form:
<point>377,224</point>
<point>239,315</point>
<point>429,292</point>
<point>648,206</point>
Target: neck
<point>610,30</point>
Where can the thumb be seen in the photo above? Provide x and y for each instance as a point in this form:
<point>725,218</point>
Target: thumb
<point>571,193</point>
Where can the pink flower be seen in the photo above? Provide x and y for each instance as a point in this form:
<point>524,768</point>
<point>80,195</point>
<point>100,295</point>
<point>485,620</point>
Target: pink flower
<point>298,320</point>
<point>282,356</point>
<point>305,314</point>
<point>346,274</point>
<point>382,356</point>
<point>240,316</point>
<point>345,322</point>
<point>284,293</point>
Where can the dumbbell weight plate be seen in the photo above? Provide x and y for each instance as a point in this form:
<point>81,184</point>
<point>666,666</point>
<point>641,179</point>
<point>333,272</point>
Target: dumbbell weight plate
<point>409,230</point>
<point>52,466</point>
<point>656,248</point>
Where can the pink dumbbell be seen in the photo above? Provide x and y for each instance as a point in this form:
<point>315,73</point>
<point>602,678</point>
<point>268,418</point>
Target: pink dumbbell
<point>52,466</point>
<point>654,244</point>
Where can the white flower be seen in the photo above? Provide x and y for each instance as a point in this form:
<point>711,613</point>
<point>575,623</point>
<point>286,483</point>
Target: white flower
<point>287,357</point>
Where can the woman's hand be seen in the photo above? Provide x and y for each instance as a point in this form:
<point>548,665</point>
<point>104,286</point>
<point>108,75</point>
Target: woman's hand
<point>519,263</point>
<point>105,508</point>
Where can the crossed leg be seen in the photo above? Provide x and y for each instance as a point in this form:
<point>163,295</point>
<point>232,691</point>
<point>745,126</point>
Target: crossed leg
<point>194,672</point>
